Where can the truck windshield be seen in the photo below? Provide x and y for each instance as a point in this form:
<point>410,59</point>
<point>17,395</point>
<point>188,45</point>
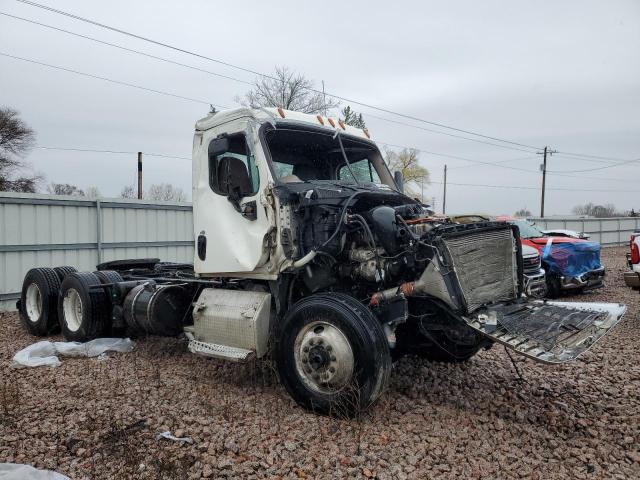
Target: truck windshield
<point>300,155</point>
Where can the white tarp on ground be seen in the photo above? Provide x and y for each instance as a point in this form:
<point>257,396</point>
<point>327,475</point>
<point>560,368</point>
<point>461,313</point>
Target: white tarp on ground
<point>15,471</point>
<point>46,352</point>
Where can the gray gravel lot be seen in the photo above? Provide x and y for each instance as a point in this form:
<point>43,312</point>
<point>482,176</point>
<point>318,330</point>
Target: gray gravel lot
<point>92,419</point>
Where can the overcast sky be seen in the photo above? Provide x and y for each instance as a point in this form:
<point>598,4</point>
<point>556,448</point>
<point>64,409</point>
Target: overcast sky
<point>564,74</point>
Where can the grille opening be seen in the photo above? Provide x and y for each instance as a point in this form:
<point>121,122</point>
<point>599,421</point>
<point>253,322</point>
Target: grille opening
<point>486,266</point>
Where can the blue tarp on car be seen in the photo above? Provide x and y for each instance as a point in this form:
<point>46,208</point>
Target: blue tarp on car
<point>571,259</point>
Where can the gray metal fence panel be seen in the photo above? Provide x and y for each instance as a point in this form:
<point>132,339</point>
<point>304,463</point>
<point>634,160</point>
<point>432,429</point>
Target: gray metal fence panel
<point>50,230</point>
<point>608,231</point>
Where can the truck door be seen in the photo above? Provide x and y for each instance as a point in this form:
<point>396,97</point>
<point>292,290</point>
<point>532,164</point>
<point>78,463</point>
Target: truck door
<point>231,215</point>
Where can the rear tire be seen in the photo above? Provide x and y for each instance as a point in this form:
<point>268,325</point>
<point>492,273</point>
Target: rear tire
<point>62,272</point>
<point>332,354</point>
<point>39,300</point>
<point>84,312</point>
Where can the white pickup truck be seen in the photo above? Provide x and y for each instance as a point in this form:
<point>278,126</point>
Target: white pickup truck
<point>307,250</point>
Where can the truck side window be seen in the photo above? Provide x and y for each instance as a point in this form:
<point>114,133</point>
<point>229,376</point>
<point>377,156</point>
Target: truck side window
<point>362,169</point>
<point>237,149</point>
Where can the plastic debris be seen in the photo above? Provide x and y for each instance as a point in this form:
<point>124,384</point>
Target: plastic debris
<point>46,353</point>
<point>15,471</point>
<point>168,436</point>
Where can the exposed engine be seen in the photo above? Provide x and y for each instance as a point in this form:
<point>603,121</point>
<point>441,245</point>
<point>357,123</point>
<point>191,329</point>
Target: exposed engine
<point>376,246</point>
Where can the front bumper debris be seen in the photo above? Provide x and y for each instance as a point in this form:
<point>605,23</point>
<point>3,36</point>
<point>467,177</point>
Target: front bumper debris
<point>588,280</point>
<point>550,332</point>
<point>535,286</point>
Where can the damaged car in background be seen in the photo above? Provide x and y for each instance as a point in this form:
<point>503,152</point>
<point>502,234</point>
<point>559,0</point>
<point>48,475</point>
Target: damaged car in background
<point>307,250</point>
<point>571,264</point>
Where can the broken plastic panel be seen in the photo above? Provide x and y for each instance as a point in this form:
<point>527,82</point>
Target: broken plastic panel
<point>550,332</point>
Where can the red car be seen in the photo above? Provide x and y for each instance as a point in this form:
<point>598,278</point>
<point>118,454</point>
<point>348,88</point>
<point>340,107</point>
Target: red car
<point>570,263</point>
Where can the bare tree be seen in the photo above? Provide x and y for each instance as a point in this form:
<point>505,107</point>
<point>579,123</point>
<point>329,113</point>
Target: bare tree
<point>92,193</point>
<point>165,192</point>
<point>523,212</point>
<point>16,140</point>
<point>128,192</point>
<point>289,90</point>
<point>597,211</point>
<point>64,189</point>
<point>353,118</point>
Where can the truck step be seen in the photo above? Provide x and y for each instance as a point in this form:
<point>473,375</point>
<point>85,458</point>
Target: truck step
<point>223,352</point>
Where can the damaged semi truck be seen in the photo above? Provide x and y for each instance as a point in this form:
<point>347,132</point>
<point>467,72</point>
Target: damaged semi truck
<point>307,250</point>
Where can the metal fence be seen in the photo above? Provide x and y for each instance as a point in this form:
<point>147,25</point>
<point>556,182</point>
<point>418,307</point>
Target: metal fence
<point>608,231</point>
<point>50,230</point>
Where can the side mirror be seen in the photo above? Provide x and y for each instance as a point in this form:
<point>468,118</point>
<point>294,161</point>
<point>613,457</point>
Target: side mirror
<point>218,146</point>
<point>397,177</point>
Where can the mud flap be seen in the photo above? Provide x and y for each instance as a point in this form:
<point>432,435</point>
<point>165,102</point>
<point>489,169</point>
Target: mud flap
<point>550,332</point>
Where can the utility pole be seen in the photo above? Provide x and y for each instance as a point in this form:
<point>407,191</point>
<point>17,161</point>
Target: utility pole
<point>543,167</point>
<point>139,175</point>
<point>444,192</point>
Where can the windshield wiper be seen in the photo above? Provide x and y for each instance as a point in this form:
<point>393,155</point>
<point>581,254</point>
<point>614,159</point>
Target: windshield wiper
<point>346,159</point>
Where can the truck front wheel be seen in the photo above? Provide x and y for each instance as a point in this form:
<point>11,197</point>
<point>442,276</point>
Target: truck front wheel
<point>332,355</point>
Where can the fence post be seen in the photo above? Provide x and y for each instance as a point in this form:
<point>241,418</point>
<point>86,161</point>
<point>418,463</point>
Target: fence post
<point>99,229</point>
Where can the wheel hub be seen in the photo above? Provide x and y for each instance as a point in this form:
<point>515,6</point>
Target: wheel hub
<point>33,300</point>
<point>72,308</point>
<point>324,358</point>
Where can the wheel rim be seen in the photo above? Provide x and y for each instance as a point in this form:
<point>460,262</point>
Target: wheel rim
<point>72,308</point>
<point>323,356</point>
<point>33,300</point>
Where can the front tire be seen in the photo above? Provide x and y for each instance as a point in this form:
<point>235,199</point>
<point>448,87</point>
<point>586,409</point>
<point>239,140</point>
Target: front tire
<point>332,354</point>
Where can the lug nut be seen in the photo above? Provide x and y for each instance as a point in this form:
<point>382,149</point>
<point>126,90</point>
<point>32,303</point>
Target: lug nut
<point>329,348</point>
<point>332,370</point>
<point>305,349</point>
<point>333,358</point>
<point>305,359</point>
<point>319,341</point>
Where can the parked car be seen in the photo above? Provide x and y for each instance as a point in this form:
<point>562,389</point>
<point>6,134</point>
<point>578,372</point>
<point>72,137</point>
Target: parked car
<point>632,277</point>
<point>571,264</point>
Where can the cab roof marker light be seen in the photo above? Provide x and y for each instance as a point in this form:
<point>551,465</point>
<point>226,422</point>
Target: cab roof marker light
<point>281,112</point>
<point>366,132</point>
<point>320,120</point>
<point>341,124</point>
<point>331,122</point>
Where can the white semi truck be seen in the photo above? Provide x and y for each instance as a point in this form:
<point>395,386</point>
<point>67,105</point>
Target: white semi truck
<point>307,250</point>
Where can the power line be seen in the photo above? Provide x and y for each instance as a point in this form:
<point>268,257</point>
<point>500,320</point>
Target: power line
<point>163,155</point>
<point>498,163</point>
<point>254,72</point>
<point>117,152</point>
<point>456,157</point>
<point>627,162</point>
<point>131,50</point>
<point>520,187</point>
<point>163,59</point>
<point>117,82</point>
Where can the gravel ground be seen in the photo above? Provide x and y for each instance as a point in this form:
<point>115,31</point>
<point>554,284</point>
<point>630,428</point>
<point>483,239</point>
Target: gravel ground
<point>98,419</point>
